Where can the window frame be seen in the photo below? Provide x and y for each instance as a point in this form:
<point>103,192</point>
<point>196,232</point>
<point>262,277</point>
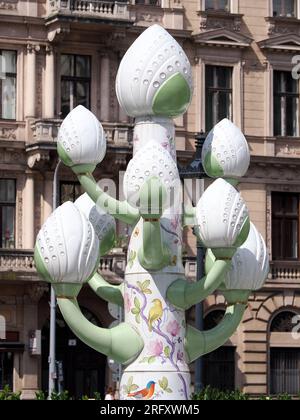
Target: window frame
<point>9,204</point>
<point>290,218</point>
<point>283,104</point>
<point>233,7</point>
<point>218,90</point>
<point>297,10</point>
<point>75,79</point>
<point>15,76</point>
<point>72,183</point>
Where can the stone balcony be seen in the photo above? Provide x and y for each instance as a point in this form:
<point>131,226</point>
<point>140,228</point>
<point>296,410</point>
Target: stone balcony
<point>285,271</point>
<point>113,10</point>
<point>18,264</point>
<point>46,131</point>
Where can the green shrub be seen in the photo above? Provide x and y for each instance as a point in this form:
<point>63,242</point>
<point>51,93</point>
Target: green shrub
<point>7,394</point>
<point>212,394</point>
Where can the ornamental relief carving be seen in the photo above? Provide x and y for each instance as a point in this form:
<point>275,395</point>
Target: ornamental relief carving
<point>8,133</point>
<point>210,22</point>
<point>8,5</point>
<point>12,157</point>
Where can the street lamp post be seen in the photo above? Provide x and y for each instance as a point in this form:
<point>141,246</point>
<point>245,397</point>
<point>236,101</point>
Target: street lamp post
<point>195,171</point>
<point>52,339</point>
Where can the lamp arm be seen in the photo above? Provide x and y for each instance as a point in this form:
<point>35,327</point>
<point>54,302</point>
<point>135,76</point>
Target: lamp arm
<point>121,343</point>
<point>153,254</point>
<point>109,292</point>
<point>198,343</point>
<point>120,210</point>
<point>184,295</point>
<point>189,216</point>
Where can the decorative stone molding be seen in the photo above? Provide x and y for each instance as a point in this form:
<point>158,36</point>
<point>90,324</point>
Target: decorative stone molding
<point>17,261</point>
<point>33,48</point>
<point>285,42</point>
<point>210,20</point>
<point>282,25</point>
<point>36,291</point>
<point>8,133</point>
<point>45,130</point>
<point>58,31</point>
<point>223,37</point>
<point>12,157</point>
<point>38,158</point>
<point>8,6</point>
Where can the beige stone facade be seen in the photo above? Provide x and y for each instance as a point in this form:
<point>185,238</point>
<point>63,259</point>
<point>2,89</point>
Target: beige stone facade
<point>256,42</point>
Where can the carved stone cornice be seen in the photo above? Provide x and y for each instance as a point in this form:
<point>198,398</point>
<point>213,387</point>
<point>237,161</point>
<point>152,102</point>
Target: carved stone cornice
<point>282,25</point>
<point>38,158</point>
<point>57,31</point>
<point>33,48</point>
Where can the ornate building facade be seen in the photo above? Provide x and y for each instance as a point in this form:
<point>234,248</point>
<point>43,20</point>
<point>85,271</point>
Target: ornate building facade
<point>56,54</point>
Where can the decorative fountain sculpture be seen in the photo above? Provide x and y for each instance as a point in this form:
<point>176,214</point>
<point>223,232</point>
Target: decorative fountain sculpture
<point>154,84</point>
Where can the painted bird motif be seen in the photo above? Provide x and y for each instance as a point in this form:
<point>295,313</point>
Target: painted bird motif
<point>146,393</point>
<point>155,313</point>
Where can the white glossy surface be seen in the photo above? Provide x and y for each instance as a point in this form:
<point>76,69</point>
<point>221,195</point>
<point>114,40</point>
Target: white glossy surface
<point>250,264</point>
<point>151,60</point>
<point>82,137</point>
<point>221,213</point>
<point>150,161</point>
<point>68,245</point>
<point>102,222</point>
<point>229,147</point>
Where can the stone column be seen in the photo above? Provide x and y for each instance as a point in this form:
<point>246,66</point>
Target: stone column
<point>49,84</point>
<point>28,208</point>
<point>30,365</point>
<point>30,88</point>
<point>47,199</point>
<point>105,88</point>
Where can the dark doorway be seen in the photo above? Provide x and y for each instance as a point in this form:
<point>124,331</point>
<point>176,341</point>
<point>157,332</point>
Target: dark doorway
<point>83,368</point>
<point>6,369</point>
<point>218,366</point>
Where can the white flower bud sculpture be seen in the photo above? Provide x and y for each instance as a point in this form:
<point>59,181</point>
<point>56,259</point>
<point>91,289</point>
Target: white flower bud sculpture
<point>155,76</point>
<point>154,84</point>
<point>250,264</point>
<point>222,216</point>
<point>225,152</point>
<point>67,247</point>
<point>103,223</point>
<point>81,142</point>
<point>150,161</point>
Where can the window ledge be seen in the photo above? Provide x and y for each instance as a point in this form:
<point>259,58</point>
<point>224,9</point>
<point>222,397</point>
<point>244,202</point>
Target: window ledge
<point>219,14</point>
<point>282,25</point>
<point>283,19</point>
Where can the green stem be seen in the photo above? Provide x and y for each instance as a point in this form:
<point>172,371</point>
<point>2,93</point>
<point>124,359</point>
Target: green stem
<point>109,292</point>
<point>121,343</point>
<point>121,210</point>
<point>198,343</point>
<point>153,255</point>
<point>184,295</point>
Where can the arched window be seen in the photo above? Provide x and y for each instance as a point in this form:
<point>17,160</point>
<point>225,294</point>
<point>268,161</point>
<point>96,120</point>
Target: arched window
<point>218,366</point>
<point>284,355</point>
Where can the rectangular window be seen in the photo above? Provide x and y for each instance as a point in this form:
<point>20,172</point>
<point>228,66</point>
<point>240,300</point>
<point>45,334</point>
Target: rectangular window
<point>285,226</point>
<point>218,81</point>
<point>8,83</point>
<point>75,82</point>
<point>149,2</point>
<point>285,8</point>
<point>286,104</point>
<point>285,371</point>
<point>219,369</point>
<point>217,5</point>
<point>7,213</point>
<point>70,191</point>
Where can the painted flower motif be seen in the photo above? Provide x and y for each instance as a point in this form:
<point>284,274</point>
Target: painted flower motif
<point>173,328</point>
<point>155,348</point>
<point>127,302</point>
<point>180,356</point>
